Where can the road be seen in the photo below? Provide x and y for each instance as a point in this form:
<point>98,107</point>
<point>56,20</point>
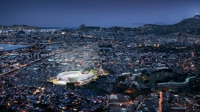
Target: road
<point>141,103</point>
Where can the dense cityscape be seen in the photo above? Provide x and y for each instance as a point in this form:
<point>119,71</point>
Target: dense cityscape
<point>100,69</point>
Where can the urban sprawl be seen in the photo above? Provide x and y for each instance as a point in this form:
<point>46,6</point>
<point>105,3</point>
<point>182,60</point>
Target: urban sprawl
<point>115,69</point>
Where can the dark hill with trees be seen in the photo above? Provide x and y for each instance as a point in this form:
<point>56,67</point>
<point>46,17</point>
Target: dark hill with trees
<point>190,25</point>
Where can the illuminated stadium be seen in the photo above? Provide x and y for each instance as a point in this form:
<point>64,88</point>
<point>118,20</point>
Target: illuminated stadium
<point>74,76</point>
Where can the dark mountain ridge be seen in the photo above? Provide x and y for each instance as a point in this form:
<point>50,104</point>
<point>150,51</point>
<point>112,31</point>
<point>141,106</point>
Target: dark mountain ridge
<point>190,25</point>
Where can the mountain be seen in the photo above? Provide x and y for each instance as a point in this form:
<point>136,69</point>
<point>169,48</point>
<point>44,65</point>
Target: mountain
<point>18,27</point>
<point>84,27</point>
<point>190,25</point>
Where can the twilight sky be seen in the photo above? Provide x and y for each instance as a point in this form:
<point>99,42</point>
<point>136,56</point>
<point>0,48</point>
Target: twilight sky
<point>104,13</point>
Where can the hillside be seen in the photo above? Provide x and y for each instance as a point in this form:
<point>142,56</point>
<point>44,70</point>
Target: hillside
<point>190,25</point>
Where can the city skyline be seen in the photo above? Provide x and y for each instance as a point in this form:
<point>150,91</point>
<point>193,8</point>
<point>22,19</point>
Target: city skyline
<point>70,13</point>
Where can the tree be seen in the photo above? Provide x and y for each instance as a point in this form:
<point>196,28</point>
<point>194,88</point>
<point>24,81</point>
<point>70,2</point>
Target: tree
<point>70,85</point>
<point>146,81</point>
<point>121,78</point>
<point>194,85</point>
<point>167,79</point>
<point>158,81</point>
<point>49,83</point>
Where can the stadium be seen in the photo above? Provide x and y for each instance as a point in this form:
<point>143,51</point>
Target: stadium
<point>74,77</point>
